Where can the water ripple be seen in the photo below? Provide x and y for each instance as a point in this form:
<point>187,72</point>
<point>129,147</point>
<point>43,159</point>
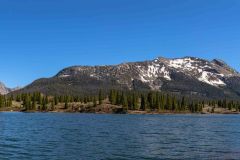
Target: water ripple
<point>124,137</point>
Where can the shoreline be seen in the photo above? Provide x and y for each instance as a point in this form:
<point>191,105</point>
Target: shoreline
<point>107,108</point>
<point>127,113</point>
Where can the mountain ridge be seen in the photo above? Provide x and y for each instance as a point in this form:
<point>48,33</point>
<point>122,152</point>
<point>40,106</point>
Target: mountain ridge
<point>5,90</point>
<point>187,75</point>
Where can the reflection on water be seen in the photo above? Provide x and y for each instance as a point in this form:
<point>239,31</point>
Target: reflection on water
<point>92,136</point>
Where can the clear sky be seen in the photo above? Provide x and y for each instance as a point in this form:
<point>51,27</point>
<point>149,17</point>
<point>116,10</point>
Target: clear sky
<point>40,37</point>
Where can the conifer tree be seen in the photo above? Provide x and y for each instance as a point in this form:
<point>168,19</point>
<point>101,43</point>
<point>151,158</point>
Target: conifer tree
<point>1,101</point>
<point>174,103</point>
<point>27,102</point>
<point>168,103</point>
<point>183,103</point>
<point>124,102</point>
<point>56,100</point>
<point>143,103</point>
<point>52,106</point>
<point>66,105</point>
<point>94,102</point>
<point>100,97</point>
<point>157,102</point>
<point>33,107</point>
<point>150,100</point>
<point>135,101</point>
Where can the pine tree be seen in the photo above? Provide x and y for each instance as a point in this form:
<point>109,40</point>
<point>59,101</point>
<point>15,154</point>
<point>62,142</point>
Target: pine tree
<point>135,101</point>
<point>230,105</point>
<point>27,102</point>
<point>183,103</point>
<point>224,104</point>
<point>44,104</point>
<point>143,103</point>
<point>56,100</point>
<point>118,98</point>
<point>130,102</point>
<point>94,102</point>
<point>1,101</point>
<point>100,97</point>
<point>33,107</point>
<point>162,102</point>
<point>174,104</point>
<point>18,98</point>
<point>66,105</point>
<point>168,103</point>
<point>150,100</point>
<point>52,105</point>
<point>157,102</point>
<point>124,102</point>
<point>112,97</point>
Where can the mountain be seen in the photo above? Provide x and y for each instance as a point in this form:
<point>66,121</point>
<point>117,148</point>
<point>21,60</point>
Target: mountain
<point>188,76</point>
<point>3,89</point>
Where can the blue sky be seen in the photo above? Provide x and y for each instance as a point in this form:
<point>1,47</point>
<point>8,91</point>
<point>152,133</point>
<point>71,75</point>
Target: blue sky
<point>39,38</point>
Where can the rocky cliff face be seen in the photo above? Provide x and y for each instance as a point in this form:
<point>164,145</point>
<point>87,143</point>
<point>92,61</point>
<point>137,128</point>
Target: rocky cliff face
<point>3,89</point>
<point>188,75</point>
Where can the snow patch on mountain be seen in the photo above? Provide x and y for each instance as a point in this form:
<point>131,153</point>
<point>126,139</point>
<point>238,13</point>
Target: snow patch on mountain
<point>153,72</point>
<point>200,69</point>
<point>64,76</point>
<point>209,78</point>
<point>185,64</point>
<point>165,73</point>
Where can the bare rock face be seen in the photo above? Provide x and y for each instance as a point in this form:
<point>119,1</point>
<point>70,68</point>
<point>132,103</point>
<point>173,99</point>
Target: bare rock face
<point>3,89</point>
<point>188,75</point>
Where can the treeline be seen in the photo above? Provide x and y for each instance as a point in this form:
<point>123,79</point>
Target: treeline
<point>38,101</point>
<point>6,101</point>
<point>129,100</point>
<point>229,104</point>
<point>154,101</point>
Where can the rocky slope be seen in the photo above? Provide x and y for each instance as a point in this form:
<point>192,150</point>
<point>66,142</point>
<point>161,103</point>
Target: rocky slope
<point>188,75</point>
<point>3,89</point>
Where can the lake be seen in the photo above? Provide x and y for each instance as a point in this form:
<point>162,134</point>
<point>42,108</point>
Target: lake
<point>105,136</point>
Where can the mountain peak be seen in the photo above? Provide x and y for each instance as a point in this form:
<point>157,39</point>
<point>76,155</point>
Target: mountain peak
<point>205,71</point>
<point>3,89</point>
<point>224,65</point>
<point>219,62</point>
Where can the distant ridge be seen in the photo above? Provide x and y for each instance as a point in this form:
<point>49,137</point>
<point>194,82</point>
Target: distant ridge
<point>5,90</point>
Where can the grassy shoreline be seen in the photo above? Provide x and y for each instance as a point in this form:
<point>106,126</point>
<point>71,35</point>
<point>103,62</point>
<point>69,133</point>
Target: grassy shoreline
<point>108,108</point>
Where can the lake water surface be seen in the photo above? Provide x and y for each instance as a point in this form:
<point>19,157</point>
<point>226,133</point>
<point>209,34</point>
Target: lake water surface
<point>95,136</point>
